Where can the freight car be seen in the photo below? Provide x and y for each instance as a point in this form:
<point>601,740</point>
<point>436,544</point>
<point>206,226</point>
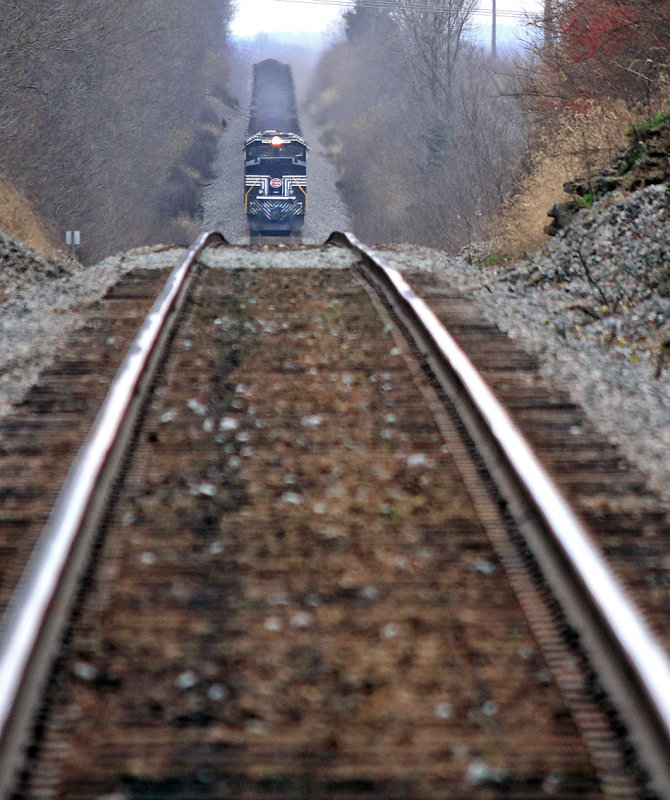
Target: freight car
<point>275,165</point>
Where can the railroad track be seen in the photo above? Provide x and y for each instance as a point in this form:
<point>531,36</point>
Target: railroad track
<point>312,570</point>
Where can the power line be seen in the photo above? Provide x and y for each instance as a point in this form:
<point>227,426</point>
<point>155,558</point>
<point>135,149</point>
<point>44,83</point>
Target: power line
<point>413,6</point>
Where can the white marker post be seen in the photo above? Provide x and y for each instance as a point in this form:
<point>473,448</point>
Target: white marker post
<point>72,238</point>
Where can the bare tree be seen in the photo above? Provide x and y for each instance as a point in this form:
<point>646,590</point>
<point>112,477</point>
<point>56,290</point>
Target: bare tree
<point>434,37</point>
<point>97,102</point>
<point>418,162</point>
<point>590,50</point>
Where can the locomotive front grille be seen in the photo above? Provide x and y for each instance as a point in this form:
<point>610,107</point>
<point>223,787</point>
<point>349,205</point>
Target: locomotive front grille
<point>263,184</point>
<point>273,209</point>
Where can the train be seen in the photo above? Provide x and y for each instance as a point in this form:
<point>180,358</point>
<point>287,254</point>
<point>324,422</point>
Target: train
<point>275,155</point>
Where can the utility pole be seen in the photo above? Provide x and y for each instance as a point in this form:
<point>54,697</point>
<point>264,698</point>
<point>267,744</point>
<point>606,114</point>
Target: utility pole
<point>494,51</point>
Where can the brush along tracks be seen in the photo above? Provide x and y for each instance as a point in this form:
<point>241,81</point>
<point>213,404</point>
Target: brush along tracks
<point>305,585</point>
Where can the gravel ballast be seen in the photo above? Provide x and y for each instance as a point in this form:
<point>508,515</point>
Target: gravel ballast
<point>593,304</point>
<point>43,301</point>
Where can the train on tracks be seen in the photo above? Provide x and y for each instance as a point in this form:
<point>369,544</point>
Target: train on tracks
<point>275,155</point>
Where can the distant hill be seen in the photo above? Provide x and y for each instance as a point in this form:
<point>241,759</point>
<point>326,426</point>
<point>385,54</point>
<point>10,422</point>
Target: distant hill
<point>281,42</point>
<point>276,45</point>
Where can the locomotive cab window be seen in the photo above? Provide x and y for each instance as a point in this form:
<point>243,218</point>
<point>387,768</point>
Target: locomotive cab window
<point>275,151</point>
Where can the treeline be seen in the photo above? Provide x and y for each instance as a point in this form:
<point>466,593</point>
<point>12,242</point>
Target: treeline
<point>416,114</point>
<point>432,136</point>
<point>100,103</point>
<point>594,50</point>
<point>596,70</point>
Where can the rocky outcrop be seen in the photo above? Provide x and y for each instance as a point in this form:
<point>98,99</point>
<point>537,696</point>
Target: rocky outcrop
<point>562,215</point>
<point>645,162</point>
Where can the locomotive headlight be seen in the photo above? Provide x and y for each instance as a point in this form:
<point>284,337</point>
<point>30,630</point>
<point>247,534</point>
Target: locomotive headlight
<point>276,140</point>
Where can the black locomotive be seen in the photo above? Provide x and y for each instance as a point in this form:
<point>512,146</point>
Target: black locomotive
<point>275,167</point>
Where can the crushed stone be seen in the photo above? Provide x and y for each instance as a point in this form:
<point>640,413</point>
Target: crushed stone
<point>42,301</point>
<point>594,307</point>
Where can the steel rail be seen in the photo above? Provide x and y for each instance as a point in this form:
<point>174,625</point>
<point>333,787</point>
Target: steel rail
<point>632,665</point>
<point>34,622</point>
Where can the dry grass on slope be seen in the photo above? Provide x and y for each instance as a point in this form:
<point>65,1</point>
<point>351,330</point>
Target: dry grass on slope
<point>18,219</point>
<point>576,145</point>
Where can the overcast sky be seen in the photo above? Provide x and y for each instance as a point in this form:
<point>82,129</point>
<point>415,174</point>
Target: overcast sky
<point>279,16</point>
<point>282,16</point>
